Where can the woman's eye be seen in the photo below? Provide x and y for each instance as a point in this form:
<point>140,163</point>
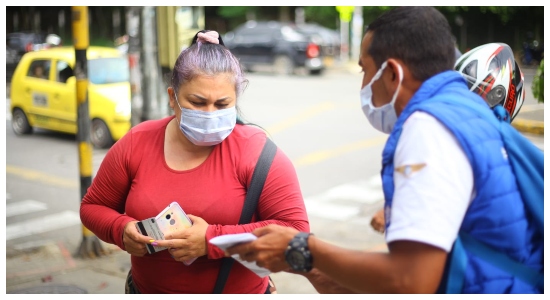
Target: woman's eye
<point>221,105</point>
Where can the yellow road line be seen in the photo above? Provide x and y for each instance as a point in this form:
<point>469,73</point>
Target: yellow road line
<point>46,178</point>
<point>320,108</point>
<point>319,156</point>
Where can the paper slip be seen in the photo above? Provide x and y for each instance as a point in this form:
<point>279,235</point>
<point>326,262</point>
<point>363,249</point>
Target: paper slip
<point>225,241</point>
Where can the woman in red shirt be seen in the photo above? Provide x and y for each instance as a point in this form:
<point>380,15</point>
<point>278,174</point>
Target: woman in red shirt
<point>202,158</point>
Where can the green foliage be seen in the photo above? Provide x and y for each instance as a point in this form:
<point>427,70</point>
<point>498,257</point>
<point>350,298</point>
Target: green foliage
<point>538,83</point>
<point>234,11</point>
<point>102,42</point>
<point>235,15</point>
<point>323,15</point>
<point>504,12</point>
<point>370,13</point>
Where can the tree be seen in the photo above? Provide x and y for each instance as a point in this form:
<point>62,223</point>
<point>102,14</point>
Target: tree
<point>538,83</point>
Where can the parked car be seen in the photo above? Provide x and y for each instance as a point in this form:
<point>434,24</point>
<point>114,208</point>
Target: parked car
<point>275,44</point>
<point>19,43</point>
<point>49,101</point>
<point>327,39</point>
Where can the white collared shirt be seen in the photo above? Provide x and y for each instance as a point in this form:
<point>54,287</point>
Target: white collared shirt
<point>433,184</point>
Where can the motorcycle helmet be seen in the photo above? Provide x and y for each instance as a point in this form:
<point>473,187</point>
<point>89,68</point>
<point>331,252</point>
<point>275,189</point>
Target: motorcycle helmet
<point>492,72</point>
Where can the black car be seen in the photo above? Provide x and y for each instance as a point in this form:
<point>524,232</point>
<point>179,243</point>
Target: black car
<point>19,43</point>
<point>274,44</point>
<point>327,39</point>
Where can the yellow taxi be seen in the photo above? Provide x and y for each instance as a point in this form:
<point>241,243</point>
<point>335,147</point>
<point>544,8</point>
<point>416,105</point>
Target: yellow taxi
<point>43,93</point>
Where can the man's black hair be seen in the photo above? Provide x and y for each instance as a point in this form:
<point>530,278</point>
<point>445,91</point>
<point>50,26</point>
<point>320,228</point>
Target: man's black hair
<point>420,36</point>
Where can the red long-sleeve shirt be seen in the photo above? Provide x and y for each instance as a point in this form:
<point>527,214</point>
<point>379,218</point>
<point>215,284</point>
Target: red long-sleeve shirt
<point>135,183</point>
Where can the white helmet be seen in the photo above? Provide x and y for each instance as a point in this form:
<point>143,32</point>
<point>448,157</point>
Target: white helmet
<point>492,72</point>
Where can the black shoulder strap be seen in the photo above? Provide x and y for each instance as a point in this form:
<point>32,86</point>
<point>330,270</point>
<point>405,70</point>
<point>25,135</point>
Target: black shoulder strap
<point>250,204</point>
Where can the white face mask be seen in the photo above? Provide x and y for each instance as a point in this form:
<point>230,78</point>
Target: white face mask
<point>382,118</point>
<point>207,128</point>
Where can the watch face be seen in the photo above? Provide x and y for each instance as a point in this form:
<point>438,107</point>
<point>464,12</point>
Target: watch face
<point>296,259</point>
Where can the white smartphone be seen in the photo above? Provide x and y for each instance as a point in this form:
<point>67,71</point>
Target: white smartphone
<point>171,219</point>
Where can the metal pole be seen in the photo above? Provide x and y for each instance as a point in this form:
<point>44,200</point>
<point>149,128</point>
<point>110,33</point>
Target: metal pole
<point>152,83</point>
<point>90,246</point>
<point>344,38</point>
<point>357,33</point>
<point>133,16</point>
<point>345,17</point>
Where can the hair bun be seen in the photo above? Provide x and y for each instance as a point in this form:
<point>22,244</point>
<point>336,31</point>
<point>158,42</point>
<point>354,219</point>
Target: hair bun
<point>208,37</point>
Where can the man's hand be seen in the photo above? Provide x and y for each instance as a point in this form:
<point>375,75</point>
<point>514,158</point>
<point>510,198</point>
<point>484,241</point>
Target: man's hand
<point>187,243</point>
<point>135,242</point>
<point>268,251</point>
<point>378,222</point>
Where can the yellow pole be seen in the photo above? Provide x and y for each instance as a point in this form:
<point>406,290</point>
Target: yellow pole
<point>90,246</point>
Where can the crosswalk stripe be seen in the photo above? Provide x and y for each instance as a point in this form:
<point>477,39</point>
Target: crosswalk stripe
<point>359,192</point>
<point>344,202</point>
<point>23,207</point>
<point>43,224</point>
<point>336,212</point>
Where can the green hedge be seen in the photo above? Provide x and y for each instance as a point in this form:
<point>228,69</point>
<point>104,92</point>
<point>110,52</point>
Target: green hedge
<point>538,83</point>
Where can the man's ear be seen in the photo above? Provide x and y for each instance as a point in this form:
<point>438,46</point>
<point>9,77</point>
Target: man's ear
<point>393,65</point>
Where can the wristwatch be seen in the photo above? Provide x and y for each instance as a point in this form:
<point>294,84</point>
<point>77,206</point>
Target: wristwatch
<point>297,253</point>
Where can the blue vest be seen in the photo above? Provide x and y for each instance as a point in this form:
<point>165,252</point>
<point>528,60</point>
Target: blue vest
<point>496,216</point>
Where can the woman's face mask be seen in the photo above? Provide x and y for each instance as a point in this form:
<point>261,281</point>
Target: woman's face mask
<point>382,118</point>
<point>207,128</point>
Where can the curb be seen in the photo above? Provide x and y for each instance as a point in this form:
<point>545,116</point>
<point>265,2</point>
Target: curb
<point>529,126</point>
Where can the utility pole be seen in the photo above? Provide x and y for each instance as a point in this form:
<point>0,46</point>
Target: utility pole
<point>356,33</point>
<point>299,15</point>
<point>90,246</point>
<point>133,16</point>
<point>151,81</point>
<point>345,18</point>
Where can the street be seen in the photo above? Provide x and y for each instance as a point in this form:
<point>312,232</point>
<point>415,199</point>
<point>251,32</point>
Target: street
<point>316,120</point>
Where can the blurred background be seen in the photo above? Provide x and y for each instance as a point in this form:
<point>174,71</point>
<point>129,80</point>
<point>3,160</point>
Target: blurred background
<point>304,84</point>
<point>291,40</point>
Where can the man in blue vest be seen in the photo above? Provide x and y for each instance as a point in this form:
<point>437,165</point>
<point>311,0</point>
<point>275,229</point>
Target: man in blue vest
<point>432,190</point>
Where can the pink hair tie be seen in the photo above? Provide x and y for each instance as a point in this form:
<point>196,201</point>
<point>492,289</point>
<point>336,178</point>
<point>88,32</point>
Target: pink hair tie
<point>208,37</point>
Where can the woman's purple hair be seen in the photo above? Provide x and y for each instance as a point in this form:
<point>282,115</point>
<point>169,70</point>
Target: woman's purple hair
<point>206,59</point>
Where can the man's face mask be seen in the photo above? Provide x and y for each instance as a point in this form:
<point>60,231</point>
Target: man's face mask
<point>382,118</point>
<point>207,128</point>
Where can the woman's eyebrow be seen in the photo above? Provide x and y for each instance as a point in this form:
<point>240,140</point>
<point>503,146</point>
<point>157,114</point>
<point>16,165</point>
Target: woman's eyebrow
<point>204,99</point>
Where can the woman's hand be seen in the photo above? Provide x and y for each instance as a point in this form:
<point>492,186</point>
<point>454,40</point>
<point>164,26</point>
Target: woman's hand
<point>135,242</point>
<point>188,243</point>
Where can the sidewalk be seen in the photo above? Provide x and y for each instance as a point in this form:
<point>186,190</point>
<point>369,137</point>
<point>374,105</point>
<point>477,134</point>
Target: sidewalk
<point>52,269</point>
